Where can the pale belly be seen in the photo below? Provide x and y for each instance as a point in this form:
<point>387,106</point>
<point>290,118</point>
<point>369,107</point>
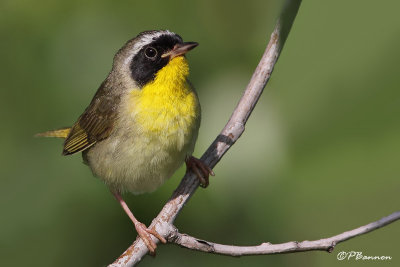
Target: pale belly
<point>157,128</point>
<point>140,162</point>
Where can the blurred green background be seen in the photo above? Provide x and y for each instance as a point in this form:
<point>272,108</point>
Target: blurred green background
<point>320,154</point>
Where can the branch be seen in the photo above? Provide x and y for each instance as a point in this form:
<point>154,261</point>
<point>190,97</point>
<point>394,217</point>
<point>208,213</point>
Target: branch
<point>163,223</point>
<point>327,244</point>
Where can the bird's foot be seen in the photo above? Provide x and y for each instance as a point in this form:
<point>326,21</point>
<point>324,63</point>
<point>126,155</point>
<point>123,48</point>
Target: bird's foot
<point>202,170</point>
<point>145,234</point>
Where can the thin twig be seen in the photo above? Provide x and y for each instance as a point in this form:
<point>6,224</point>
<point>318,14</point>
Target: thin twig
<point>326,244</point>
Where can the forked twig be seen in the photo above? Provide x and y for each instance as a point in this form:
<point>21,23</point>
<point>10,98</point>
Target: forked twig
<point>163,223</point>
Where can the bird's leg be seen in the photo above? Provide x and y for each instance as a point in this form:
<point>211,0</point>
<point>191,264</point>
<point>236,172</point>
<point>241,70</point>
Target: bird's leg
<point>141,229</point>
<point>202,170</point>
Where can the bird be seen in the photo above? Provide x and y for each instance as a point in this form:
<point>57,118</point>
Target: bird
<point>142,123</point>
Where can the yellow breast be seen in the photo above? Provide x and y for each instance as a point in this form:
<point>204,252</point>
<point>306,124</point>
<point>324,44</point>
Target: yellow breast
<point>167,107</point>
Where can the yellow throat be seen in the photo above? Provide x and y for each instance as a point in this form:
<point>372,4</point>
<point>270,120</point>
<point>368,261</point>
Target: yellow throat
<point>167,104</point>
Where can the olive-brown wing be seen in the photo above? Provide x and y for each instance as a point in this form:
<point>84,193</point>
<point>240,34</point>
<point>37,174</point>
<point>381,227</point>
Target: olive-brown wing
<point>94,125</point>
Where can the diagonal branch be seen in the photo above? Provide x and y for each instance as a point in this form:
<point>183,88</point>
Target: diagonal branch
<point>327,244</point>
<point>163,223</point>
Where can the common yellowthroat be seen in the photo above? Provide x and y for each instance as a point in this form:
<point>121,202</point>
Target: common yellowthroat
<point>143,121</point>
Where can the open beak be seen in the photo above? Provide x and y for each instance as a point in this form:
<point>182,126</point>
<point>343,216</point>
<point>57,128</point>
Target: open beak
<point>180,49</point>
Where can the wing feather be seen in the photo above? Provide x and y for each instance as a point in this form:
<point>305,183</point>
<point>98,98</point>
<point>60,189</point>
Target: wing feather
<point>95,124</point>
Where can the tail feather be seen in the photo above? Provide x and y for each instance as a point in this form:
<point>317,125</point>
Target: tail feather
<point>60,133</point>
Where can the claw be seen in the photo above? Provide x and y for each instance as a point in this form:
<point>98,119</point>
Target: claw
<point>157,235</point>
<point>202,170</point>
<point>145,234</point>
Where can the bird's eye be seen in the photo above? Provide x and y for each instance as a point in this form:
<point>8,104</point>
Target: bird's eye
<point>150,52</point>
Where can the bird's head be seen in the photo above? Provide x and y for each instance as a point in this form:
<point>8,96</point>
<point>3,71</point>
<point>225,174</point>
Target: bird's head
<point>142,57</point>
